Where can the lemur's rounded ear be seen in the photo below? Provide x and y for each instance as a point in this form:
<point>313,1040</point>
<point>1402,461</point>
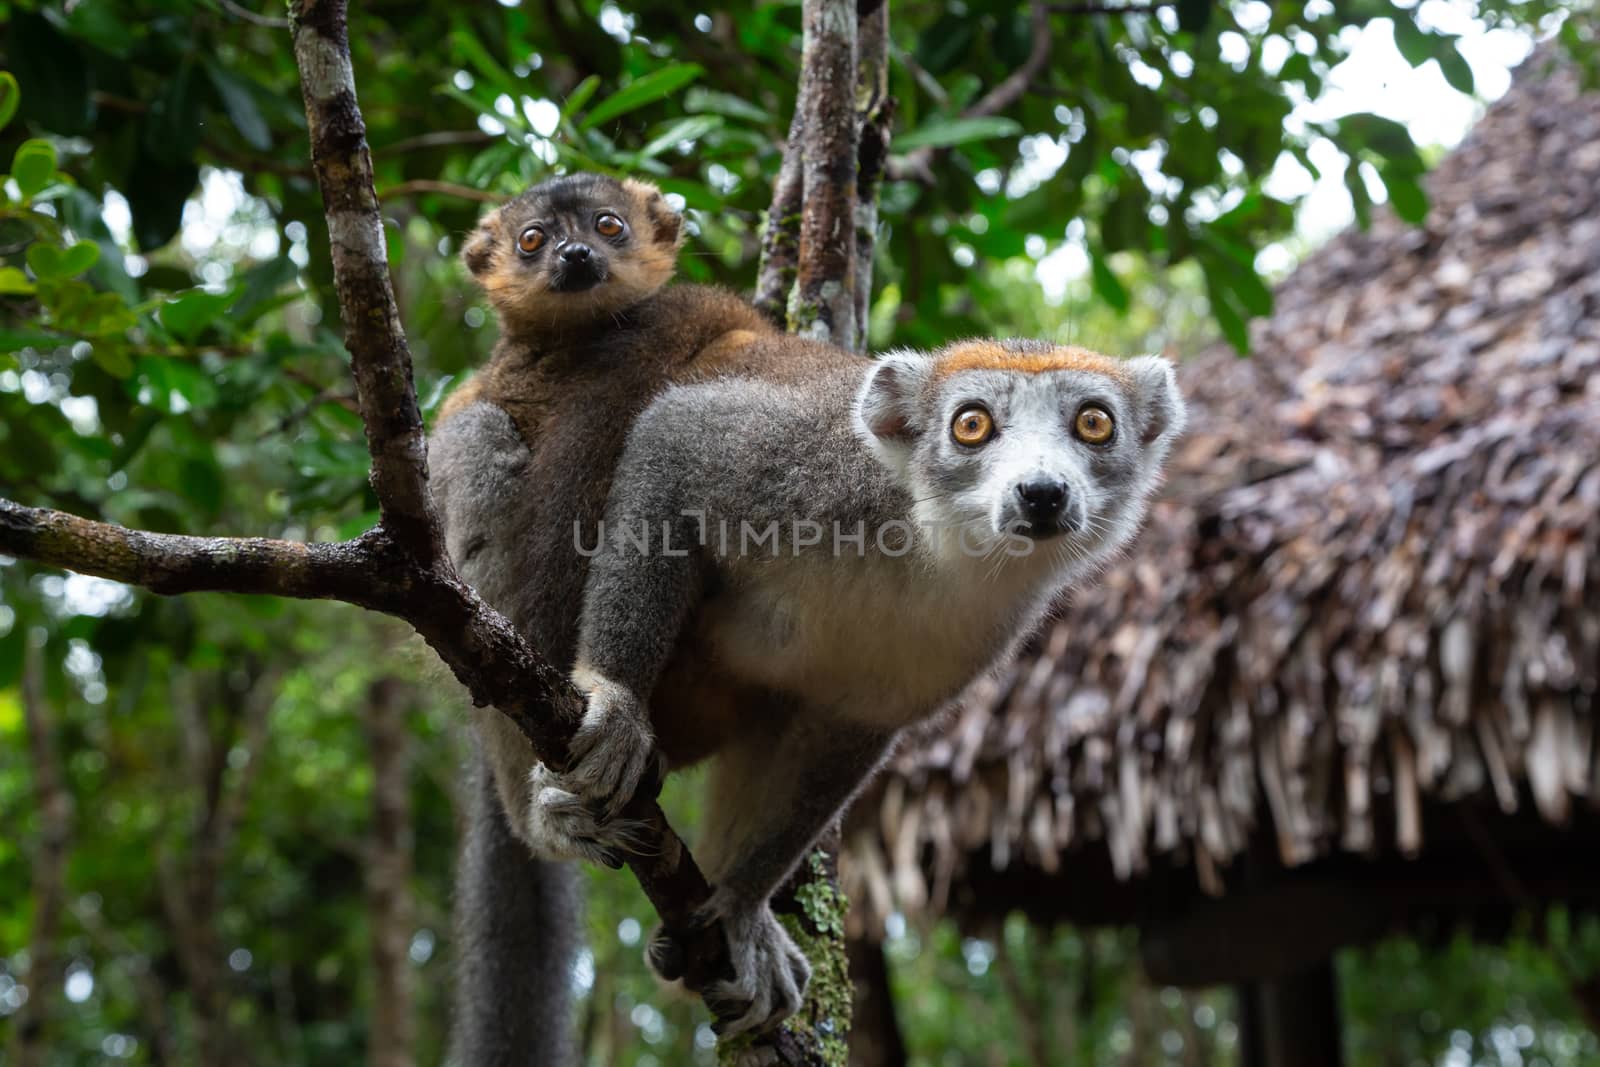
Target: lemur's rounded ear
<point>887,406</point>
<point>1162,404</point>
<point>666,225</point>
<point>478,252</point>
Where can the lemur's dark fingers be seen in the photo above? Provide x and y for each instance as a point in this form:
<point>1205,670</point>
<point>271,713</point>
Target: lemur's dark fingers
<point>666,955</point>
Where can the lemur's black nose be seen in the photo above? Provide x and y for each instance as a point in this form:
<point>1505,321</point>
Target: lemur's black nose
<point>1042,496</point>
<point>574,252</point>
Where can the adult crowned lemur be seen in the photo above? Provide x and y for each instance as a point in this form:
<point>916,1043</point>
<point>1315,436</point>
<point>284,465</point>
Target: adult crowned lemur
<point>749,548</point>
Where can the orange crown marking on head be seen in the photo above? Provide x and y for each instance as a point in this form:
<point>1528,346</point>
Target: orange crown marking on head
<point>991,355</point>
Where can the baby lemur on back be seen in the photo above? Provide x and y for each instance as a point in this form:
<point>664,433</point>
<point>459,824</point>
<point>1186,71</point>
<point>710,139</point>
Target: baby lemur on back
<point>796,551</point>
<point>520,455</point>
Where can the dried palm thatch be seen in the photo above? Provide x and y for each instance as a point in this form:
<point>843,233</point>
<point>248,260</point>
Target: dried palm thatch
<point>1373,584</point>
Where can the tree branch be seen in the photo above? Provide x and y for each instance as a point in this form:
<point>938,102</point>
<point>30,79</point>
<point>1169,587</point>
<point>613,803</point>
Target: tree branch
<point>1109,9</point>
<point>401,566</point>
<point>388,866</point>
<point>823,304</point>
<point>780,238</point>
<point>874,119</point>
<point>30,1035</point>
<point>1002,97</point>
<point>422,186</point>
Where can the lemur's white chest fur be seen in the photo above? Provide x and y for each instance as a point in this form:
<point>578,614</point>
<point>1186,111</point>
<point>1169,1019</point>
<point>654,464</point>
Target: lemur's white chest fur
<point>882,641</point>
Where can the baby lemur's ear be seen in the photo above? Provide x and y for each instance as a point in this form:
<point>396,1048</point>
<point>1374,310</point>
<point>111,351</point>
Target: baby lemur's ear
<point>478,252</point>
<point>1162,404</point>
<point>666,225</point>
<point>888,406</point>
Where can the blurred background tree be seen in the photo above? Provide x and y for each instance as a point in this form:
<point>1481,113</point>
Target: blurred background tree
<point>190,786</point>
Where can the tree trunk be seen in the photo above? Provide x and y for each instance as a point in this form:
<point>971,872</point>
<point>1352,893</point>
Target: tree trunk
<point>875,1038</point>
<point>391,1033</point>
<point>30,1039</point>
<point>1291,1022</point>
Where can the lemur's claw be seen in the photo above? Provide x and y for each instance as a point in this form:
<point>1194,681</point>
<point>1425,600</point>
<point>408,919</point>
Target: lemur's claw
<point>561,825</point>
<point>665,955</point>
<point>613,753</point>
<point>770,975</point>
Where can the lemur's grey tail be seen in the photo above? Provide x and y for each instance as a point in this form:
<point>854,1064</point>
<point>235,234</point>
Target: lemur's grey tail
<point>518,923</point>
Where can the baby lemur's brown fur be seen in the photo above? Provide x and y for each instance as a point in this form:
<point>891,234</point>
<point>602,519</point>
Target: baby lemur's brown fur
<point>576,361</point>
<point>522,457</point>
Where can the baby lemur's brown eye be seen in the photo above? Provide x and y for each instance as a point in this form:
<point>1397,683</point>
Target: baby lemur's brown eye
<point>972,427</point>
<point>530,240</point>
<point>1093,425</point>
<point>608,225</point>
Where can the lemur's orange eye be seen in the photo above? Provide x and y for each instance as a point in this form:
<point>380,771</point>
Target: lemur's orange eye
<point>1094,425</point>
<point>608,225</point>
<point>973,426</point>
<point>530,240</point>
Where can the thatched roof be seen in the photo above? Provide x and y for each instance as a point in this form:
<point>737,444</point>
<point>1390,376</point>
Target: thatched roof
<point>1373,585</point>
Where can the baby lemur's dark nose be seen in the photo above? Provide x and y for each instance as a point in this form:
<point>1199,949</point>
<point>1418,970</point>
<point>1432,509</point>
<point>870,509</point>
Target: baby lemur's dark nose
<point>574,252</point>
<point>1042,496</point>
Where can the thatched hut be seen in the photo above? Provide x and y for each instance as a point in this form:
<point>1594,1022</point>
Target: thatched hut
<point>1348,680</point>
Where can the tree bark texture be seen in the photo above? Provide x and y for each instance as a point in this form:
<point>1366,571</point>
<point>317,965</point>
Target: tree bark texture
<point>31,1026</point>
<point>822,304</point>
<point>391,1021</point>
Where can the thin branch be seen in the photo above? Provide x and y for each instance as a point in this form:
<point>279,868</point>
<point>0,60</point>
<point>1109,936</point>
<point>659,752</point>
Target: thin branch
<point>379,356</point>
<point>1002,97</point>
<point>271,22</point>
<point>153,995</point>
<point>1109,9</point>
<point>388,864</point>
<point>780,238</point>
<point>31,1037</point>
<point>874,121</point>
<point>423,186</point>
<point>823,304</point>
<point>436,139</point>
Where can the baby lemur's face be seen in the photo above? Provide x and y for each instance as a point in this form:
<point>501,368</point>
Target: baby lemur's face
<point>1008,439</point>
<point>574,249</point>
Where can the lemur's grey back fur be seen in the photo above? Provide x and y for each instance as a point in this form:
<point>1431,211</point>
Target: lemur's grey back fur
<point>518,917</point>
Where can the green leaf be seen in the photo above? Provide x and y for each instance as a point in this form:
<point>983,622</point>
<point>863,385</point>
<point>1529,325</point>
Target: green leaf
<point>646,90</point>
<point>1458,72</point>
<point>241,107</point>
<point>1360,199</point>
<point>1107,285</point>
<point>943,133</point>
<point>467,46</point>
<point>113,359</point>
<point>193,311</point>
<point>690,128</point>
<point>580,95</point>
<point>157,190</point>
<point>1194,15</point>
<point>46,261</point>
<point>14,283</point>
<point>167,376</point>
<point>79,258</point>
<point>15,340</point>
<point>717,103</point>
<point>1230,318</point>
<point>1414,43</point>
<point>57,72</point>
<point>33,165</point>
<point>173,124</point>
<point>10,97</point>
<point>1405,193</point>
